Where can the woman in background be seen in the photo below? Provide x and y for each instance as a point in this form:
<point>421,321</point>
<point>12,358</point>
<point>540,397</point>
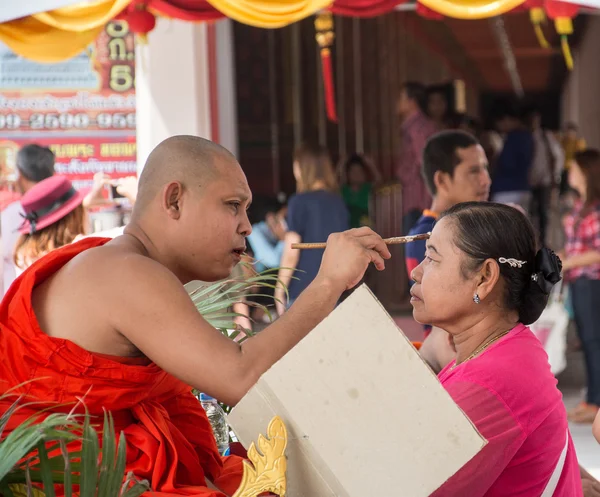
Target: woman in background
<point>358,175</point>
<point>582,272</point>
<point>315,212</point>
<point>54,217</point>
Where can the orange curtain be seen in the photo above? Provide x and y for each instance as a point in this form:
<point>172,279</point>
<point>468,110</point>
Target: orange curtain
<point>59,34</point>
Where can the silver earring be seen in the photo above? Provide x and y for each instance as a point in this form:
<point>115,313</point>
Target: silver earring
<point>476,299</point>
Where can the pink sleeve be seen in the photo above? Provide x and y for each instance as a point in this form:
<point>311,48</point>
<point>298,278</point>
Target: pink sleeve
<point>418,140</point>
<point>496,424</point>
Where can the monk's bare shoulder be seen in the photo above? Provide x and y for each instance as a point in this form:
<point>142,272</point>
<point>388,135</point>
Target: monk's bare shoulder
<point>118,259</point>
<point>87,300</point>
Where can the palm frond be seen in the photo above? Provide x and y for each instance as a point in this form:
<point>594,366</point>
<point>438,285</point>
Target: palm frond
<point>35,453</point>
<point>215,301</point>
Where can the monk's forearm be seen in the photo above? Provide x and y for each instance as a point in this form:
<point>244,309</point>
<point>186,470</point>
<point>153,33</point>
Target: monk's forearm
<point>263,350</point>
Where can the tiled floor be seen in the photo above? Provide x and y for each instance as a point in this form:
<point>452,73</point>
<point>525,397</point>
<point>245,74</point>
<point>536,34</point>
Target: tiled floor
<point>588,450</point>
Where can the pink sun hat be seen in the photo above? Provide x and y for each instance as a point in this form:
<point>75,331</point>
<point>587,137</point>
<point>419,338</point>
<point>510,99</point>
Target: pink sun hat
<point>48,202</point>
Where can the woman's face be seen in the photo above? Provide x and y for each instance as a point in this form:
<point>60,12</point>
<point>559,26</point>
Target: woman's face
<point>437,106</point>
<point>441,295</point>
<point>577,179</point>
<point>356,174</point>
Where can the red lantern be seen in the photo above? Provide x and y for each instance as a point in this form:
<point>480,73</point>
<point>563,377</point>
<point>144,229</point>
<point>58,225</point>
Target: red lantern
<point>140,21</point>
<point>325,37</point>
<point>558,10</point>
<point>428,13</point>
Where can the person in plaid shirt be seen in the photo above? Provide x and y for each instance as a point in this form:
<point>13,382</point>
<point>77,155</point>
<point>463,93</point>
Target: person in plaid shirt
<point>581,267</point>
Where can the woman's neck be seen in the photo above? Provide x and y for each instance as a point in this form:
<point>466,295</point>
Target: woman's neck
<point>474,337</point>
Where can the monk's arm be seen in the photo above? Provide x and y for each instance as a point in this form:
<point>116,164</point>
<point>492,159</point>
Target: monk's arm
<point>152,310</point>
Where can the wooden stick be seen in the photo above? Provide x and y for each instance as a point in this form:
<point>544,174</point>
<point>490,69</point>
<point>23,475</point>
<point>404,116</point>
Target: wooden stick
<point>388,241</point>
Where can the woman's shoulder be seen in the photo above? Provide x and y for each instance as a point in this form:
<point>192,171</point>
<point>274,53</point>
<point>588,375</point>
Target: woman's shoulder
<point>517,371</point>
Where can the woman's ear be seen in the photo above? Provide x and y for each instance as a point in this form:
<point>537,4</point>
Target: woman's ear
<point>487,277</point>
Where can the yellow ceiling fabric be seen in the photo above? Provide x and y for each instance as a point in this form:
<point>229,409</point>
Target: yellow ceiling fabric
<point>269,13</point>
<point>62,33</point>
<point>472,9</point>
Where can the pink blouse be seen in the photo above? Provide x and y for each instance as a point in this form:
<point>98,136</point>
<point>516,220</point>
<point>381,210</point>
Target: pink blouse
<point>510,395</point>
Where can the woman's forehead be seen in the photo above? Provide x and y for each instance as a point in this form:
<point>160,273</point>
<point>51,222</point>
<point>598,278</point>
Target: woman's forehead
<point>441,230</point>
<point>442,237</point>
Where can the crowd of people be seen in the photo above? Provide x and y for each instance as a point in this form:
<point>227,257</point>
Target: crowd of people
<point>96,312</point>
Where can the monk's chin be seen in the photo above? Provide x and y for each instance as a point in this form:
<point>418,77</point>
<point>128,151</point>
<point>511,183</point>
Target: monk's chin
<point>213,274</point>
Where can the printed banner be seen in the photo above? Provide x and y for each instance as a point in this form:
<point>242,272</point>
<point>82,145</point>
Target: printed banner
<point>83,108</point>
<point>80,158</point>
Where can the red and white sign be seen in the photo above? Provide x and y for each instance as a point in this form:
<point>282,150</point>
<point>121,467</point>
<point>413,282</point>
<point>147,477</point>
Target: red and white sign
<point>84,109</point>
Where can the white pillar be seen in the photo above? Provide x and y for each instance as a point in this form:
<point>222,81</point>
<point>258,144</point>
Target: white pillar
<point>226,93</point>
<point>172,85</point>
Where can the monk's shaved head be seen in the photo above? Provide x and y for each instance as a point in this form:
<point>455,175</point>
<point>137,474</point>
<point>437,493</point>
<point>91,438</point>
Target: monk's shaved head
<point>189,160</point>
<point>192,208</point>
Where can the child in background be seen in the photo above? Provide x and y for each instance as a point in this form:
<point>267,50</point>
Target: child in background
<point>265,243</point>
<point>357,176</point>
<point>265,246</point>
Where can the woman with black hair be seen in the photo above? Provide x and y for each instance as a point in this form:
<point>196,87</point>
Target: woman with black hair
<point>483,281</point>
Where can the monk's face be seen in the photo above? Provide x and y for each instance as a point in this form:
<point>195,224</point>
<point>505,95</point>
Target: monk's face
<point>214,224</point>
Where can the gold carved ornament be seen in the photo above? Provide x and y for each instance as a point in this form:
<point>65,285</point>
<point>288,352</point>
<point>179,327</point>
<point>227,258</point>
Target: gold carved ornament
<point>267,471</point>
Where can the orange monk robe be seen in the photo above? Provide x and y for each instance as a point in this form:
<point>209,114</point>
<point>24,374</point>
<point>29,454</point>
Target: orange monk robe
<point>169,438</point>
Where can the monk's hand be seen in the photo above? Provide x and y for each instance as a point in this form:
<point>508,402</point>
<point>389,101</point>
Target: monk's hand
<point>348,255</point>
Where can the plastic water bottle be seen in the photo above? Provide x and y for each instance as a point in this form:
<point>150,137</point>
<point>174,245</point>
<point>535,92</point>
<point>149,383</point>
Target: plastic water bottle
<point>218,421</point>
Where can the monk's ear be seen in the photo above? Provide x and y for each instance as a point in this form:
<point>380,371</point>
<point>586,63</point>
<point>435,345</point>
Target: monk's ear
<point>172,199</point>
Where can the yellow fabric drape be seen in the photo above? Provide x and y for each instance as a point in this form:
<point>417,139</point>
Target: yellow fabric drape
<point>471,9</point>
<point>269,13</point>
<point>62,33</point>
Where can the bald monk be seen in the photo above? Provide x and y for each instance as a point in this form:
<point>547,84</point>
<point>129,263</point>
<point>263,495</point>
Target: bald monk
<point>109,321</point>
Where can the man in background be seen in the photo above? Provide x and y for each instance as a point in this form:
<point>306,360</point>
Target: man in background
<point>510,183</point>
<point>455,169</point>
<point>416,130</point>
<point>545,174</point>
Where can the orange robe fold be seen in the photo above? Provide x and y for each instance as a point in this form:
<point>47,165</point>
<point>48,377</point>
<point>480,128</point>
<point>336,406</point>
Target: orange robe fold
<point>169,438</point>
